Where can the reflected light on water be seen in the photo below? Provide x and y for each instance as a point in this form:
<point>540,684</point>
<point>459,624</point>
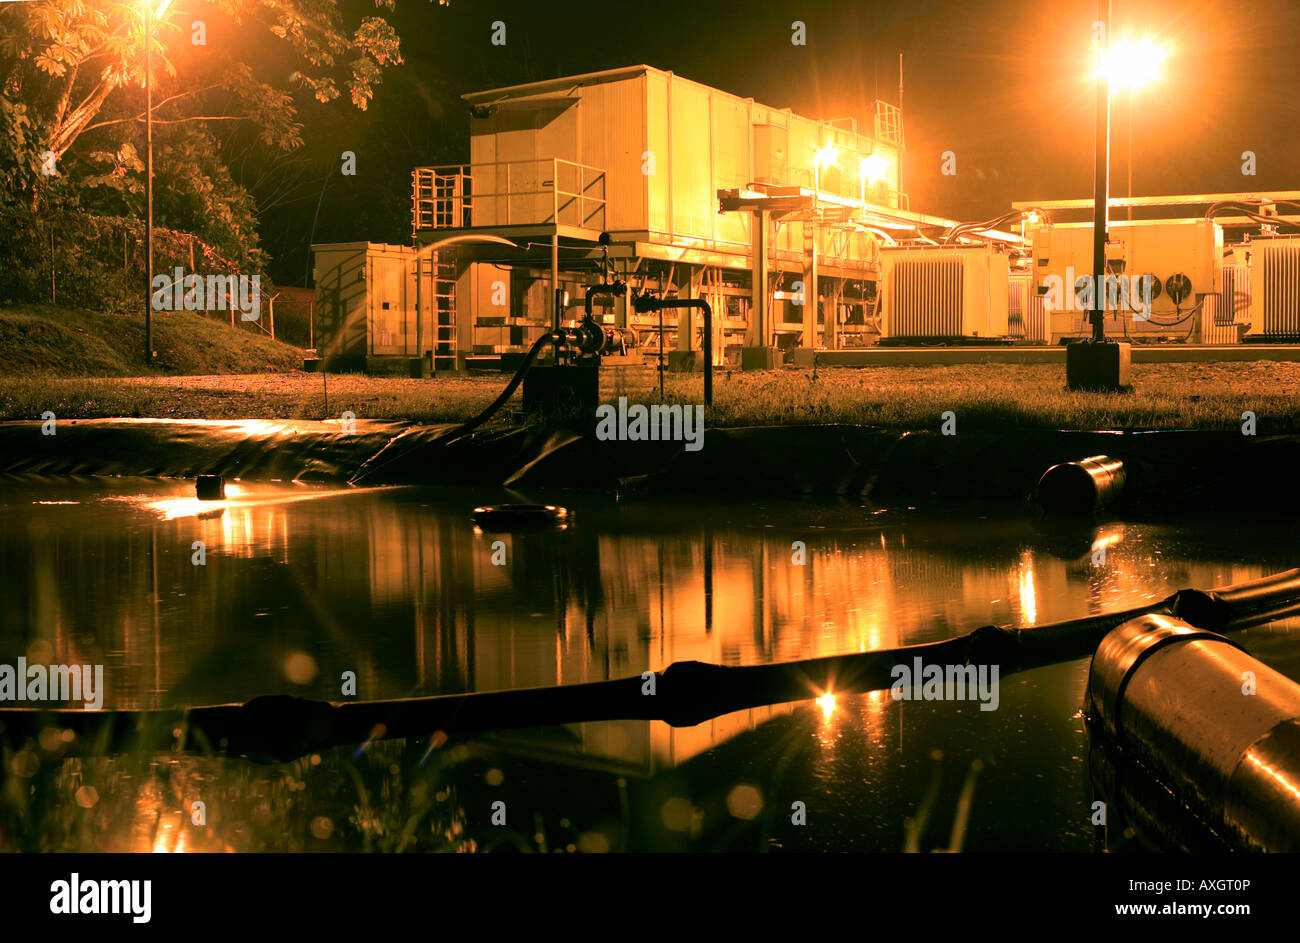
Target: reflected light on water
<point>170,509</point>
<point>1112,535</point>
<point>1028,598</point>
<point>827,703</point>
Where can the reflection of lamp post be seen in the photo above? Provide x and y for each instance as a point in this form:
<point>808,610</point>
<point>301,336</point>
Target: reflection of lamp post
<point>149,15</point>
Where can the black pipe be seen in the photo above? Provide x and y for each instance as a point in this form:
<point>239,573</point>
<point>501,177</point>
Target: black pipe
<point>645,304</point>
<point>1081,487</point>
<point>557,338</point>
<point>613,290</point>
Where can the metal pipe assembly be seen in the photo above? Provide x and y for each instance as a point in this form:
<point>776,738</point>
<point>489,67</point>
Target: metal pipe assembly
<point>1081,487</point>
<point>1213,724</point>
<point>645,304</point>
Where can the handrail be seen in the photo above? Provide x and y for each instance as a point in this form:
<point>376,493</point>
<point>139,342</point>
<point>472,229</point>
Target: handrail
<point>447,190</point>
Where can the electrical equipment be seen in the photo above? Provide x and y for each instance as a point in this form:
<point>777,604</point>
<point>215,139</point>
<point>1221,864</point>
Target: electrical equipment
<point>1026,319</point>
<point>1177,261</point>
<point>1274,289</point>
<point>941,292</point>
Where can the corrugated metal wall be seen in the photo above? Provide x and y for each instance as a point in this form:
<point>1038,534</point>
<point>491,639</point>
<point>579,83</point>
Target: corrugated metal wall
<point>1026,317</point>
<point>1277,286</point>
<point>925,297</point>
<point>1230,306</point>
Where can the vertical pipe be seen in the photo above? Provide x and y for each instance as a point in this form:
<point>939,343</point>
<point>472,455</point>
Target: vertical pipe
<point>556,302</point>
<point>419,307</point>
<point>898,198</point>
<point>758,314</point>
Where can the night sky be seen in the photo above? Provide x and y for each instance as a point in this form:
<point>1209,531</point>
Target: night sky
<point>1006,86</point>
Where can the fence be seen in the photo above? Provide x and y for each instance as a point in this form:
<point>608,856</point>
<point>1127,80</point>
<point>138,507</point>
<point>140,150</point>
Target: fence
<point>97,262</point>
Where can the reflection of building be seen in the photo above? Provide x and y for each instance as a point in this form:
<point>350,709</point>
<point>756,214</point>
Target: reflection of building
<point>407,596</point>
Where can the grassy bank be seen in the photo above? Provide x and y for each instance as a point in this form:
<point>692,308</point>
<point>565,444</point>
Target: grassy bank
<point>989,396</point>
<point>46,341</point>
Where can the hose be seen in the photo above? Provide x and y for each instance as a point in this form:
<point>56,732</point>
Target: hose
<point>463,430</point>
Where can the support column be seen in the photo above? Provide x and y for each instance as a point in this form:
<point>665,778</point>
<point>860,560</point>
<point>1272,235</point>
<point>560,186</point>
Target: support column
<point>831,328</point>
<point>811,295</point>
<point>758,353</point>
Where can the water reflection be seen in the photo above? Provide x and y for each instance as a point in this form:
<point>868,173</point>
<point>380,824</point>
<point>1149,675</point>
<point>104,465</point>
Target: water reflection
<point>300,585</point>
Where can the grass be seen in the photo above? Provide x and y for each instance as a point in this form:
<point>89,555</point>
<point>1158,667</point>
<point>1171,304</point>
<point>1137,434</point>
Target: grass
<point>48,341</point>
<point>983,396</point>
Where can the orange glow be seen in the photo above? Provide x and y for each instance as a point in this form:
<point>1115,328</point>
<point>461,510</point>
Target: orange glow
<point>873,168</point>
<point>827,155</point>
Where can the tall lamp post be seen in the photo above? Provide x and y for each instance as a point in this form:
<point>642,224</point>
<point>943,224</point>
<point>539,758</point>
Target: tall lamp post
<point>1099,363</point>
<point>149,16</point>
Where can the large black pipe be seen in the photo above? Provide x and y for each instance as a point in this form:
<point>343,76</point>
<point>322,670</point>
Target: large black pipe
<point>1081,487</point>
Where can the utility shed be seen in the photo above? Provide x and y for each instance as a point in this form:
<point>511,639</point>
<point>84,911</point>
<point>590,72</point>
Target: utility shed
<point>365,304</point>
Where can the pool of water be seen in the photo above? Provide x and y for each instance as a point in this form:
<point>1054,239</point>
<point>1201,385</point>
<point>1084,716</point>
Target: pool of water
<point>288,588</point>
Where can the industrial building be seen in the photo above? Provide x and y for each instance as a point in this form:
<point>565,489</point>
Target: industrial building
<point>797,231</point>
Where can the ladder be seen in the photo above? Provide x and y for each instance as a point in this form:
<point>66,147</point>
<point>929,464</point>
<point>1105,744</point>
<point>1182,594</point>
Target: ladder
<point>445,340</point>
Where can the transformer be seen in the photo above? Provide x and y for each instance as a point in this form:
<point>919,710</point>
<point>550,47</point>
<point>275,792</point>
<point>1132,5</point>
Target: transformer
<point>945,293</point>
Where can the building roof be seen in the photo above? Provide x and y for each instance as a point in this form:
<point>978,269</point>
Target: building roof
<point>569,82</point>
<point>555,85</point>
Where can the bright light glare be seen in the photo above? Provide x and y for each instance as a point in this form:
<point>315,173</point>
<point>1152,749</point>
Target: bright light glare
<point>873,168</point>
<point>827,702</point>
<point>827,155</point>
<point>1129,64</point>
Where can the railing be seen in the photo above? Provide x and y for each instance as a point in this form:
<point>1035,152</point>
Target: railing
<point>508,193</point>
<point>888,125</point>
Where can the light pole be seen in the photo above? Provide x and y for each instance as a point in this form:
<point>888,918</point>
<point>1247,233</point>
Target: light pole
<point>149,352</point>
<point>1101,183</point>
<point>1099,363</point>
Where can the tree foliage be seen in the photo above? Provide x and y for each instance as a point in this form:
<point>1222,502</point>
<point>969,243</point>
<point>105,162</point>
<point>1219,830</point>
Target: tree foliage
<point>72,105</point>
